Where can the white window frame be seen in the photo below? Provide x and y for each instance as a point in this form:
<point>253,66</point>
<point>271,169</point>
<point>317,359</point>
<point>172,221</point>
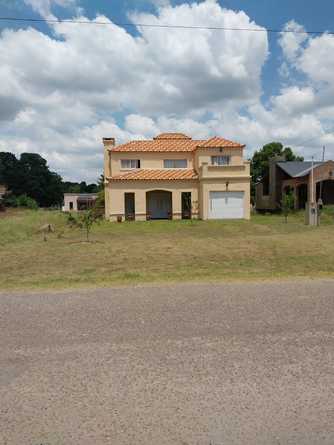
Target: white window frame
<point>130,164</point>
<point>173,163</point>
<point>220,160</point>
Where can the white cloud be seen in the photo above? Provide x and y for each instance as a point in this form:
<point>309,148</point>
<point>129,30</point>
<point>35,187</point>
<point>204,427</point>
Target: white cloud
<point>291,42</point>
<point>44,7</point>
<point>61,92</point>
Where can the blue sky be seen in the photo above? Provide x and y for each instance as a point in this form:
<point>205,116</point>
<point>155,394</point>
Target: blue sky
<point>66,87</point>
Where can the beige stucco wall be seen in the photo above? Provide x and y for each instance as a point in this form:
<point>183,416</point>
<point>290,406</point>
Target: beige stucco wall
<point>70,198</point>
<point>204,155</point>
<point>73,197</point>
<point>147,160</point>
<point>115,191</point>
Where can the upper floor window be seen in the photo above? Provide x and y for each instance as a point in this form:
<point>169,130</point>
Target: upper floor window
<point>130,163</point>
<point>220,160</point>
<point>175,163</point>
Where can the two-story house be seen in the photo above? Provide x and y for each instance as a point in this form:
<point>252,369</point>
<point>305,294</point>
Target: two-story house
<point>174,177</point>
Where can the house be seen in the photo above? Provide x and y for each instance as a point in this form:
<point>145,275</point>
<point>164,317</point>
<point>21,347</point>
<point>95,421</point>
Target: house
<point>296,177</point>
<point>174,176</point>
<point>74,202</point>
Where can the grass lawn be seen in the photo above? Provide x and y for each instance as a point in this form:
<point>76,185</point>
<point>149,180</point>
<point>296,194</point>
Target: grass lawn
<point>138,252</point>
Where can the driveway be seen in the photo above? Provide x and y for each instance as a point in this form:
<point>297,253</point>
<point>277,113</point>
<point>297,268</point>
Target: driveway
<point>186,364</point>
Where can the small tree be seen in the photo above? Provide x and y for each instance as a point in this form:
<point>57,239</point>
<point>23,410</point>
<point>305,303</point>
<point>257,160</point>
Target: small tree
<point>84,221</point>
<point>288,204</point>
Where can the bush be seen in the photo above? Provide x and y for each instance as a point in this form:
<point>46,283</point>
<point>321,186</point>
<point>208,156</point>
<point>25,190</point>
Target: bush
<point>26,201</point>
<point>98,209</point>
<point>288,204</point>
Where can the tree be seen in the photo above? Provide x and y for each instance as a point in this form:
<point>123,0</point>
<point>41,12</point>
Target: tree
<point>84,220</point>
<point>82,187</point>
<point>9,170</point>
<point>288,203</point>
<point>260,160</point>
<point>31,176</point>
<point>39,182</point>
<point>100,182</point>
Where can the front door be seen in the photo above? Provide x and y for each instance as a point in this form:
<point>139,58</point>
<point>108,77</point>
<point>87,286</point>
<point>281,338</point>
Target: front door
<point>159,204</point>
<point>129,204</point>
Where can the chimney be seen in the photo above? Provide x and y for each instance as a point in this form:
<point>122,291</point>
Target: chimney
<point>108,143</point>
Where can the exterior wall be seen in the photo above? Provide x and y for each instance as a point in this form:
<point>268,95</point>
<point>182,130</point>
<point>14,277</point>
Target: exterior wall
<point>204,156</point>
<point>73,197</point>
<point>214,185</point>
<point>117,189</point>
<point>225,172</point>
<point>323,172</point>
<point>70,198</point>
<point>147,159</point>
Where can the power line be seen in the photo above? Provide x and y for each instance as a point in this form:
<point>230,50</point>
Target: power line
<point>152,25</point>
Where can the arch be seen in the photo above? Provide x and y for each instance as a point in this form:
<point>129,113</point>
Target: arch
<point>302,195</point>
<point>159,204</point>
<point>325,191</point>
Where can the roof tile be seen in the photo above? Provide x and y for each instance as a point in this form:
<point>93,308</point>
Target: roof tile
<point>220,142</point>
<point>165,174</point>
<point>174,142</point>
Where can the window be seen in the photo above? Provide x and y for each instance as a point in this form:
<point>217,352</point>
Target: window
<point>130,163</point>
<point>175,163</point>
<point>220,160</point>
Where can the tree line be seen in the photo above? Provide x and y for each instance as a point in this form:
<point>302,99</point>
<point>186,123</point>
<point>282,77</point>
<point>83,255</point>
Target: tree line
<point>29,177</point>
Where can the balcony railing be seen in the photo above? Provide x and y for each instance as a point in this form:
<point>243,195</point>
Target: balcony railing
<point>218,171</point>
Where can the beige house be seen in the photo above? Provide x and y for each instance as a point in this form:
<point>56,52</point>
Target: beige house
<point>74,202</point>
<point>174,177</point>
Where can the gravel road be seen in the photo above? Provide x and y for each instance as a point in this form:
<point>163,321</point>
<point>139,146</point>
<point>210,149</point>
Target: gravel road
<point>241,363</point>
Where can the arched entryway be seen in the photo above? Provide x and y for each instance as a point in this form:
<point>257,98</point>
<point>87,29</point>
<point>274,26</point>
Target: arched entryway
<point>159,204</point>
<point>302,194</point>
<point>325,191</point>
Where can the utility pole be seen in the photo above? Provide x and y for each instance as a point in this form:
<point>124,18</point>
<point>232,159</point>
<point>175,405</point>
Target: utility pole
<point>311,207</point>
<point>323,160</point>
<point>312,183</point>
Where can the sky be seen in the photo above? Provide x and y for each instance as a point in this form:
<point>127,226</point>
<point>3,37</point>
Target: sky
<point>66,86</point>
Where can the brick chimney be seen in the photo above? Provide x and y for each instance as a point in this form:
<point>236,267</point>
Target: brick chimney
<point>108,143</point>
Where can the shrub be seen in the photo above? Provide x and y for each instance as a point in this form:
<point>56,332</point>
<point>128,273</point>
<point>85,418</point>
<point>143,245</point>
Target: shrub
<point>26,201</point>
<point>288,203</point>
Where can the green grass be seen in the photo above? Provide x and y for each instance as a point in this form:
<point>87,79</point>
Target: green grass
<point>160,251</point>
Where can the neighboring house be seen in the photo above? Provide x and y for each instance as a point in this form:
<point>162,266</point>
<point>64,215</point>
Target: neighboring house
<point>174,177</point>
<point>295,176</point>
<point>3,191</point>
<point>74,202</point>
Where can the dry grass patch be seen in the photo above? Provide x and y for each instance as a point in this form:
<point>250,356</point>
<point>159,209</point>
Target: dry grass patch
<point>138,252</point>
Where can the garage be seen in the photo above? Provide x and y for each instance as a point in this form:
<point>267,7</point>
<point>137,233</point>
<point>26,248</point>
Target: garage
<point>226,205</point>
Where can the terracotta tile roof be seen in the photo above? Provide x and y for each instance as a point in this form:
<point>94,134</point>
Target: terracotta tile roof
<point>174,142</point>
<point>220,142</point>
<point>172,136</point>
<point>165,174</point>
<point>159,145</point>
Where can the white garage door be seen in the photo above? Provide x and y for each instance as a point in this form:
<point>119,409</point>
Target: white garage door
<point>226,205</point>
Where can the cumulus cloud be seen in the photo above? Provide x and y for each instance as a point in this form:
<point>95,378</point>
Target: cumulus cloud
<point>63,91</point>
<point>44,7</point>
<point>291,40</point>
